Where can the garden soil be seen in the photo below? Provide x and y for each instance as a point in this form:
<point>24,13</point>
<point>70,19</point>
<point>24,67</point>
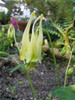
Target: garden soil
<point>43,79</point>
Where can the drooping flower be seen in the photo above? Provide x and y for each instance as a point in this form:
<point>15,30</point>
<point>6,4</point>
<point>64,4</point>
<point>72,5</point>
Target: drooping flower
<point>25,39</point>
<point>11,34</point>
<point>33,47</point>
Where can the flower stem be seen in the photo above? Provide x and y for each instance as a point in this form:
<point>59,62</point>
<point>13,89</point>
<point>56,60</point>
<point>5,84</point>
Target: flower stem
<point>53,57</point>
<point>67,68</point>
<point>28,76</point>
<point>1,52</point>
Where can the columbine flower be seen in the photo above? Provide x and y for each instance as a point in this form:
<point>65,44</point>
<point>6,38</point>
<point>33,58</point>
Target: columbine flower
<point>31,49</point>
<point>11,34</point>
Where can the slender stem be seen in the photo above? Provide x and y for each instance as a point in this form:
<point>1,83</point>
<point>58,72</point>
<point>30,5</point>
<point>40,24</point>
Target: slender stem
<point>11,96</point>
<point>67,68</point>
<point>9,56</point>
<point>16,44</point>
<point>28,76</point>
<point>68,29</point>
<point>13,91</point>
<point>53,57</point>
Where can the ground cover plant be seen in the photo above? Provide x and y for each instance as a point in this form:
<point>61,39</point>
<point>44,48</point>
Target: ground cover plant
<point>30,52</point>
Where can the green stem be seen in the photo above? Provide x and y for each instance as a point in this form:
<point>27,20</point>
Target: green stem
<point>28,76</point>
<point>11,96</point>
<point>13,91</point>
<point>16,44</point>
<point>68,68</point>
<point>53,57</point>
<point>26,73</point>
<point>9,56</point>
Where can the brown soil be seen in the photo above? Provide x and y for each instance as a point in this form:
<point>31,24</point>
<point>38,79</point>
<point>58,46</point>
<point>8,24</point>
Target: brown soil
<point>43,79</point>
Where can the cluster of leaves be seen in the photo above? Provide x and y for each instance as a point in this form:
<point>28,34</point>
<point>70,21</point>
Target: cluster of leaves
<point>9,5</point>
<point>65,93</point>
<point>3,40</point>
<point>4,18</point>
<point>72,35</point>
<point>56,9</point>
<point>5,44</point>
<point>51,30</point>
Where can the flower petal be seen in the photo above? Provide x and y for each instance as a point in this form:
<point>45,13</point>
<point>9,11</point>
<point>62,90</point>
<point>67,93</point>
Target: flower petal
<point>25,39</point>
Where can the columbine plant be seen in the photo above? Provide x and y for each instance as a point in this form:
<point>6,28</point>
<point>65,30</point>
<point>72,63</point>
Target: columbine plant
<point>31,49</point>
<point>12,89</point>
<point>11,34</point>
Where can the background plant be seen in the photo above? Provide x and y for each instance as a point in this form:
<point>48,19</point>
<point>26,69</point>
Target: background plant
<point>65,92</point>
<point>12,89</point>
<point>5,45</point>
<point>56,9</point>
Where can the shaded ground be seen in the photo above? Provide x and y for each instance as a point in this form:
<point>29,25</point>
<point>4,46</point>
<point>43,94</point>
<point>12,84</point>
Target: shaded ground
<point>43,79</point>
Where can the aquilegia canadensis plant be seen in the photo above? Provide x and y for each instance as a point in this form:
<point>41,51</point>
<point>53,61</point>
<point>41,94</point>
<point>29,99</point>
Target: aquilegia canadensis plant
<point>31,48</point>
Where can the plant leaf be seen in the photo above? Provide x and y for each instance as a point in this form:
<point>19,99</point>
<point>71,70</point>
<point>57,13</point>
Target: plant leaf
<point>11,88</point>
<point>64,93</point>
<point>73,79</point>
<point>17,67</point>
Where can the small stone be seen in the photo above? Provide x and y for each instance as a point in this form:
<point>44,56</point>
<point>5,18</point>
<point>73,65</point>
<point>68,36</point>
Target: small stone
<point>42,73</point>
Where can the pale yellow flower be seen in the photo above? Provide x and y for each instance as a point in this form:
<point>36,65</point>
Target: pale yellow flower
<point>25,39</point>
<point>11,33</point>
<point>34,46</point>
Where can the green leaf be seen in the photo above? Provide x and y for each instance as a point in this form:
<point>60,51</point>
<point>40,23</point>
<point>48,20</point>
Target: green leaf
<point>73,79</point>
<point>17,67</point>
<point>70,71</point>
<point>11,89</point>
<point>65,93</point>
<point>63,52</point>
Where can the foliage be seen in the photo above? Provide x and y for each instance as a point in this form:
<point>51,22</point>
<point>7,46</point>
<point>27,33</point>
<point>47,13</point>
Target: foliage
<point>71,71</point>
<point>10,5</point>
<point>48,26</point>
<point>17,67</point>
<point>66,37</point>
<point>56,9</point>
<point>4,43</point>
<point>30,52</point>
<point>19,35</point>
<point>4,18</point>
<point>64,93</point>
<point>26,65</point>
<point>12,89</point>
<point>27,56</point>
